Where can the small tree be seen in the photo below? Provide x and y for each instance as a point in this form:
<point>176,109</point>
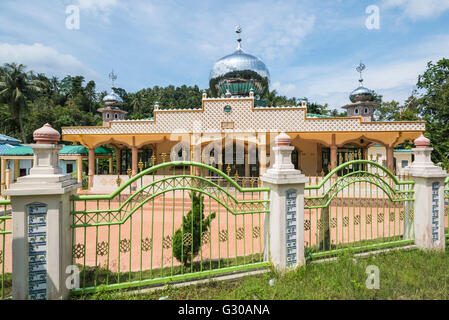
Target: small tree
<point>187,239</point>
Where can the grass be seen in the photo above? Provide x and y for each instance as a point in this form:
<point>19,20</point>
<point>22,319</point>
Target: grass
<point>94,276</point>
<point>404,274</point>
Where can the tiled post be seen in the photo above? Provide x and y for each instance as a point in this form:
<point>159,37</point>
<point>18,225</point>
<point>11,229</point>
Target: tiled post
<point>42,247</point>
<point>429,197</point>
<point>286,217</point>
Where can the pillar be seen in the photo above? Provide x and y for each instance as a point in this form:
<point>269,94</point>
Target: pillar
<point>134,160</point>
<point>118,159</point>
<point>3,175</point>
<point>198,171</point>
<point>390,158</point>
<point>42,241</point>
<point>8,177</point>
<point>262,159</point>
<point>285,233</point>
<point>333,158</point>
<point>429,197</point>
<point>110,165</point>
<point>247,173</point>
<point>91,166</point>
<point>16,169</point>
<point>79,169</point>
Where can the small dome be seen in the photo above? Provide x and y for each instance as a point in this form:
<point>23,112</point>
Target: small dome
<point>422,142</point>
<point>46,134</point>
<point>112,99</point>
<point>239,72</point>
<point>361,94</point>
<point>283,140</point>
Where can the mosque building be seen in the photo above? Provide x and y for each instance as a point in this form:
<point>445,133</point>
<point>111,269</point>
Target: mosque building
<point>234,129</point>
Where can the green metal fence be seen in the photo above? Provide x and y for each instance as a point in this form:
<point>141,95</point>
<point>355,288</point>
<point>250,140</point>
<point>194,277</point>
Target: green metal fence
<point>168,223</point>
<point>360,205</point>
<point>5,249</point>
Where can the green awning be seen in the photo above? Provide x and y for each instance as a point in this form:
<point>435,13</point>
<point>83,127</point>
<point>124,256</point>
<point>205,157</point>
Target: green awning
<point>66,150</point>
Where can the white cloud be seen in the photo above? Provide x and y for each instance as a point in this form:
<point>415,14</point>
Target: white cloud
<point>271,30</point>
<point>419,9</point>
<point>43,59</point>
<point>96,5</point>
<point>394,78</point>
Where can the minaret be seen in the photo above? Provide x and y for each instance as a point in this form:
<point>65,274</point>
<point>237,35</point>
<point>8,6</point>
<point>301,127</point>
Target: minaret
<point>363,100</point>
<point>112,101</point>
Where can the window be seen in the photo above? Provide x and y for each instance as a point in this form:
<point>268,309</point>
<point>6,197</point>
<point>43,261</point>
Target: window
<point>23,172</point>
<point>116,116</point>
<point>404,163</point>
<point>69,168</point>
<point>356,111</point>
<point>108,115</point>
<point>366,111</point>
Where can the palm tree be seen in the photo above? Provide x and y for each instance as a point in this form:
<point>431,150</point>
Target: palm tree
<point>271,98</point>
<point>136,102</point>
<point>15,86</point>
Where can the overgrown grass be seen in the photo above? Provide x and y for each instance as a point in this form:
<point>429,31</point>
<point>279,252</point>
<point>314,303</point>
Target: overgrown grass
<point>94,276</point>
<point>5,285</point>
<point>411,274</point>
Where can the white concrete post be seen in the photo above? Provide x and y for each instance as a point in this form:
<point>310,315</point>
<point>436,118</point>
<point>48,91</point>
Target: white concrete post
<point>41,221</point>
<point>429,197</point>
<point>286,218</point>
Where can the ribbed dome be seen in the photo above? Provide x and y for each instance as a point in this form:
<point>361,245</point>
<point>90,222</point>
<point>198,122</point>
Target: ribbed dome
<point>112,99</point>
<point>239,72</point>
<point>361,94</point>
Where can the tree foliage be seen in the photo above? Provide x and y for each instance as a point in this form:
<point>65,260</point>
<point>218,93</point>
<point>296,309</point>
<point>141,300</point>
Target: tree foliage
<point>187,239</point>
<point>433,104</point>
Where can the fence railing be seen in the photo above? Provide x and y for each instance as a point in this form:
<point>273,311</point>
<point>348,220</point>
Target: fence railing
<point>175,227</point>
<point>360,205</point>
<point>5,249</point>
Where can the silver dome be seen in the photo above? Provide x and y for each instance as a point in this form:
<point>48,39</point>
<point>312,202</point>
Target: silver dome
<point>112,98</point>
<point>239,68</point>
<point>361,94</point>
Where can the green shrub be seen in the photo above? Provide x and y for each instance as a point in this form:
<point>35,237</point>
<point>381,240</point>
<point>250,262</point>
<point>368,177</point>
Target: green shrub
<point>187,239</point>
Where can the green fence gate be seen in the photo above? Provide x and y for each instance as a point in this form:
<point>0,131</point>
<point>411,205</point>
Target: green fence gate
<point>361,205</point>
<point>170,222</point>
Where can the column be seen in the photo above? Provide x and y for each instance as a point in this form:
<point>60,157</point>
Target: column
<point>16,169</point>
<point>429,198</point>
<point>8,178</point>
<point>333,158</point>
<point>41,206</point>
<point>91,165</point>
<point>198,159</point>
<point>390,158</point>
<point>134,160</point>
<point>247,173</point>
<point>110,165</point>
<point>118,160</point>
<point>79,169</point>
<point>262,159</point>
<point>2,175</point>
<point>286,222</point>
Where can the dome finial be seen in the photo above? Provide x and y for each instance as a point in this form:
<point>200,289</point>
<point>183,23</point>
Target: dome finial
<point>238,30</point>
<point>360,68</point>
<point>113,77</point>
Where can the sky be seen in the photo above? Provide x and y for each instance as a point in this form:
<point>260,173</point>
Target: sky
<point>311,48</point>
